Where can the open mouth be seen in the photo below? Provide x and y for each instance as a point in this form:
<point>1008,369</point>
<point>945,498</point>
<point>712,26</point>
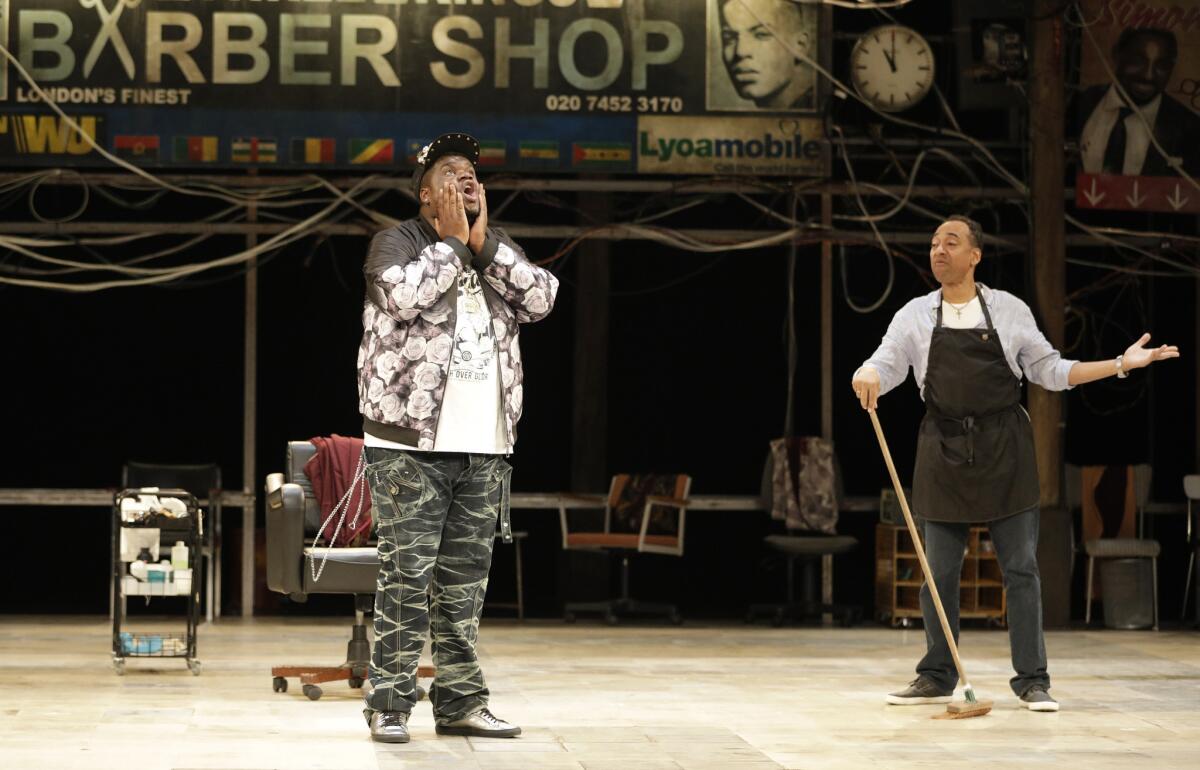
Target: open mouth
<point>470,191</point>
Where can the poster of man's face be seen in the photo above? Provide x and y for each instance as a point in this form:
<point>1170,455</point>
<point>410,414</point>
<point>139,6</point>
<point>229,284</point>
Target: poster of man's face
<point>756,55</point>
<point>1137,111</point>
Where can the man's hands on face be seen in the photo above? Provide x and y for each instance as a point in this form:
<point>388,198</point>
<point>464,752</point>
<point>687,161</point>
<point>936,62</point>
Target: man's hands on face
<point>479,229</point>
<point>450,215</point>
<point>866,387</point>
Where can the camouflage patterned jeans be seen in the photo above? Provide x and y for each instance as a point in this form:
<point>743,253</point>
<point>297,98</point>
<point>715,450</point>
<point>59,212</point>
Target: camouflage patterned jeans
<point>436,523</point>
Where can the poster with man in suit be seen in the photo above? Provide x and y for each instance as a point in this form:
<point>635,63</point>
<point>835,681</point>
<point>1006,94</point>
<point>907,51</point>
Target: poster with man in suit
<point>1140,120</point>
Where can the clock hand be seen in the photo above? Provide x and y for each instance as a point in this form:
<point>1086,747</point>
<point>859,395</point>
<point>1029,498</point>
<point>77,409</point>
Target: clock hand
<point>892,60</point>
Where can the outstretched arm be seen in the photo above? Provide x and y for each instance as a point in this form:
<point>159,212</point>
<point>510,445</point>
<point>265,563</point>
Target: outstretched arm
<point>1135,356</point>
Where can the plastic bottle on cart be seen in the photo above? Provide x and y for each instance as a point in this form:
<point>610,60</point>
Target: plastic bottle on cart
<point>179,555</point>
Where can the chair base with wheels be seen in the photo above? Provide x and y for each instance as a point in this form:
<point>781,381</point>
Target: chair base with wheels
<point>613,609</point>
<point>353,670</point>
<point>809,550</point>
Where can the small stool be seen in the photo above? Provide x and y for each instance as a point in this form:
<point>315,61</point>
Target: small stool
<point>809,549</point>
<point>1121,548</point>
<point>519,604</point>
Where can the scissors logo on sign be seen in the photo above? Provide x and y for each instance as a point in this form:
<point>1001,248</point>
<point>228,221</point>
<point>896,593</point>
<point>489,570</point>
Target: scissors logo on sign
<point>109,33</point>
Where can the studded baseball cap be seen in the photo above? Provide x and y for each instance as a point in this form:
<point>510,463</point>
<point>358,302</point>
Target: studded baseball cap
<point>446,144</point>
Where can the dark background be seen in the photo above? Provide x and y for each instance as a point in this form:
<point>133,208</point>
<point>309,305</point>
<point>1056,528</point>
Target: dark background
<point>696,384</point>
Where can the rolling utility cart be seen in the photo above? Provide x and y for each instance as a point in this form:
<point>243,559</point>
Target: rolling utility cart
<point>156,537</point>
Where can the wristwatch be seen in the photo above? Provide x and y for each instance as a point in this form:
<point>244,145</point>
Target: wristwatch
<point>1121,373</point>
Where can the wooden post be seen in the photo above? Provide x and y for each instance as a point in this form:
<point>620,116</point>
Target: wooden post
<point>589,423</point>
<point>827,321</point>
<point>826,373</point>
<point>1047,246</point>
<point>584,575</point>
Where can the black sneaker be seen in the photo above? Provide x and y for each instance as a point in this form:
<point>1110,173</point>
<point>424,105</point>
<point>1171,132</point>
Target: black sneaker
<point>1037,699</point>
<point>478,724</point>
<point>920,691</point>
<point>389,726</point>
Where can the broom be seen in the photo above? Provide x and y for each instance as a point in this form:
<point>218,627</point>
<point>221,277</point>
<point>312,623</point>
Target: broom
<point>971,707</point>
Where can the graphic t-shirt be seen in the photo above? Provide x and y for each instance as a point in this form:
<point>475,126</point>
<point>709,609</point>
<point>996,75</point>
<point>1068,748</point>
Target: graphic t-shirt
<point>471,418</point>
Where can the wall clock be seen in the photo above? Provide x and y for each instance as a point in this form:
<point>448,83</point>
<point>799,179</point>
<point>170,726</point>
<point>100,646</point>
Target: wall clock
<point>892,67</point>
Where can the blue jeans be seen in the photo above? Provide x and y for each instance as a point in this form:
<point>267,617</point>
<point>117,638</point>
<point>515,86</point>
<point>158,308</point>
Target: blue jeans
<point>1015,538</point>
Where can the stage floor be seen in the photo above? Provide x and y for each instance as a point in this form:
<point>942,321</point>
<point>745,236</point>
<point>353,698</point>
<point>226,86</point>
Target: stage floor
<point>590,696</point>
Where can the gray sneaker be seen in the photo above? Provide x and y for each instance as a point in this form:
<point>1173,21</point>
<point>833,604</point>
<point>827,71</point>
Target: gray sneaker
<point>1037,699</point>
<point>389,726</point>
<point>478,724</point>
<point>920,691</point>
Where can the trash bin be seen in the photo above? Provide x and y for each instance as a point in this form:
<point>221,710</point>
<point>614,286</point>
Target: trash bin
<point>1128,588</point>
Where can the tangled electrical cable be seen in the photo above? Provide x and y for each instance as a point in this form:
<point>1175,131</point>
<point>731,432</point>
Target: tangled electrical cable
<point>989,159</point>
<point>134,275</point>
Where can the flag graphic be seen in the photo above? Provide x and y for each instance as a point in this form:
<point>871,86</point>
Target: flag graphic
<point>195,149</point>
<point>601,154</point>
<point>538,152</point>
<point>313,150</point>
<point>136,147</point>
<point>254,150</point>
<point>371,152</point>
<point>492,153</point>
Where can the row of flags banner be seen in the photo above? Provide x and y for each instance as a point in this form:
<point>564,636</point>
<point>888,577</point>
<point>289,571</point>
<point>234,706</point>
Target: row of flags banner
<point>317,151</point>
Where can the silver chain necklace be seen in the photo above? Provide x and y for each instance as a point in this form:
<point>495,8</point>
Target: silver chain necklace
<point>959,308</point>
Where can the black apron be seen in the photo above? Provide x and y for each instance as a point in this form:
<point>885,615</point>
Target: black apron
<point>975,456</point>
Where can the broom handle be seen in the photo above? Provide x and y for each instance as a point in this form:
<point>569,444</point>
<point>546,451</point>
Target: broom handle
<point>912,529</point>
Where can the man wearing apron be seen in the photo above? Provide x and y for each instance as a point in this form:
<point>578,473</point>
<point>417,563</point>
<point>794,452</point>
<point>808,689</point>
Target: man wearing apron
<point>969,347</point>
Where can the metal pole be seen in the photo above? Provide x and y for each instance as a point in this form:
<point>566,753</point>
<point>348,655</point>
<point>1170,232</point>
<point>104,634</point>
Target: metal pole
<point>249,418</point>
<point>749,186</point>
<point>827,322</point>
<point>617,232</point>
<point>827,375</point>
<point>789,412</point>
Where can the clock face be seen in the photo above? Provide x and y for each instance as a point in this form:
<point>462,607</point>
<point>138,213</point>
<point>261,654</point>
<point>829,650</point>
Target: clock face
<point>892,67</point>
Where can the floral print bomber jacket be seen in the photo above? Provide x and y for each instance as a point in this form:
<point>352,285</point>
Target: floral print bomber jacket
<point>409,318</point>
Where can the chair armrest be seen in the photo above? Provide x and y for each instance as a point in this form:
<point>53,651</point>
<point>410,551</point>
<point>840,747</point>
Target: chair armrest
<point>273,487</point>
<point>666,502</point>
<point>591,502</point>
<point>285,535</point>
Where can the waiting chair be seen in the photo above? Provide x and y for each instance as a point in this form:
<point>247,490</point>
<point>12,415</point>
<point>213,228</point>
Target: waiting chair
<point>1191,488</point>
<point>204,482</point>
<point>293,562</point>
<point>801,486</point>
<point>1112,500</point>
<point>642,514</point>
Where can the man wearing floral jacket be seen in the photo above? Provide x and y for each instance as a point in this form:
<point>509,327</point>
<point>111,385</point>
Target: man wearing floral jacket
<point>440,391</point>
